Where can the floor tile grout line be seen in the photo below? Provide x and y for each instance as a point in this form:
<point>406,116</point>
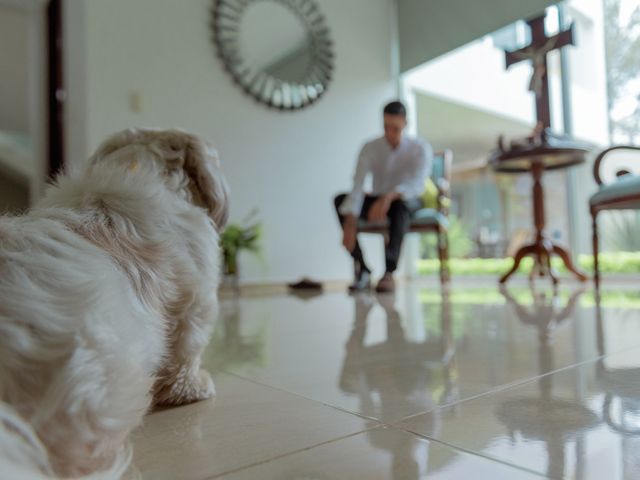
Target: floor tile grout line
<point>293,452</point>
<point>499,389</point>
<point>475,453</point>
<point>386,427</point>
<point>382,424</point>
<point>507,386</point>
<point>333,407</point>
<point>520,383</point>
<point>396,423</point>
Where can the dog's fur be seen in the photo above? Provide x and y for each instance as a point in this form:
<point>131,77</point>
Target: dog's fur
<point>108,298</point>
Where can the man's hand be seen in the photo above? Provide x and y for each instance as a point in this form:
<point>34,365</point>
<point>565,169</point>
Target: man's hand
<point>380,208</point>
<point>350,232</point>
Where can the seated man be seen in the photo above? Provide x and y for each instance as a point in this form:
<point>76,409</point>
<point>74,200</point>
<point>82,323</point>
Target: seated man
<point>399,166</point>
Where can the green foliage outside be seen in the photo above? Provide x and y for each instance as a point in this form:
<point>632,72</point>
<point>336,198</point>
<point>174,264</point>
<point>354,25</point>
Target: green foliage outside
<point>460,243</point>
<point>610,262</point>
<point>622,44</point>
<point>523,295</point>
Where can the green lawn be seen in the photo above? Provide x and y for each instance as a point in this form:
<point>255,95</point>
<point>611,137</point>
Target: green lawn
<point>524,296</point>
<point>618,262</point>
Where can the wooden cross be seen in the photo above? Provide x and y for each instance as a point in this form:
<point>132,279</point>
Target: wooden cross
<point>537,52</point>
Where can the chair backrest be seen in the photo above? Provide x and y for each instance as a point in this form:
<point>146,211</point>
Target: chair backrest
<point>442,162</point>
<point>616,161</point>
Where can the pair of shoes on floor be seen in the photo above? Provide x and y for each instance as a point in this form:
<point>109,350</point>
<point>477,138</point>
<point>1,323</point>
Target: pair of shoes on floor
<point>305,284</point>
<point>363,282</point>
<point>386,284</point>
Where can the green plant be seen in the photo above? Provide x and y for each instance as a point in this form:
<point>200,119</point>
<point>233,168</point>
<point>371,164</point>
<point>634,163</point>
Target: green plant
<point>460,243</point>
<point>238,237</point>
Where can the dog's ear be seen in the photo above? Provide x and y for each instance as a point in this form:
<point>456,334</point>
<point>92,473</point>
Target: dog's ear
<point>202,166</point>
<point>113,143</point>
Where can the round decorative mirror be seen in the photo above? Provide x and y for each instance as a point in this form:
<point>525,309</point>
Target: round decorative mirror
<point>278,51</point>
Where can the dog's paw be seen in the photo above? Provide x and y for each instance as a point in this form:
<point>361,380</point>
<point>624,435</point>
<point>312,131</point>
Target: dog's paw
<point>185,389</point>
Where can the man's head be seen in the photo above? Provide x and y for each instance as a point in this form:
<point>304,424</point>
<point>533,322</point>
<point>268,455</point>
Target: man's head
<point>395,119</point>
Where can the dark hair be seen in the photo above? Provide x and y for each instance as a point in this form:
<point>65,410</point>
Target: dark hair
<point>395,108</point>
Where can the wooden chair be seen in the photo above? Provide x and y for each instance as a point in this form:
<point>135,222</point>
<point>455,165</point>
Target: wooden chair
<point>434,220</point>
<point>618,190</point>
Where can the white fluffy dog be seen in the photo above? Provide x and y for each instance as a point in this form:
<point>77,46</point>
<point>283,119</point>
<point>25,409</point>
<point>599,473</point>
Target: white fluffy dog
<point>107,301</point>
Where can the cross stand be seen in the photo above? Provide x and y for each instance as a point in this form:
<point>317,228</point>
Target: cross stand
<point>542,151</point>
<point>536,52</point>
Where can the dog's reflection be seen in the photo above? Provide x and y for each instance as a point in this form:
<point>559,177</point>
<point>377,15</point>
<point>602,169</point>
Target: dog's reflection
<point>399,376</point>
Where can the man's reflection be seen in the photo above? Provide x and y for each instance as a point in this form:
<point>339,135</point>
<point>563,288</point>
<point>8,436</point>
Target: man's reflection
<point>398,377</point>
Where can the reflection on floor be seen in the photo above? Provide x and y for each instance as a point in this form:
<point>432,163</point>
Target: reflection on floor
<point>476,383</point>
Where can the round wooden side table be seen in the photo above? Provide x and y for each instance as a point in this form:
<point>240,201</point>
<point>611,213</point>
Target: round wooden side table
<point>537,159</point>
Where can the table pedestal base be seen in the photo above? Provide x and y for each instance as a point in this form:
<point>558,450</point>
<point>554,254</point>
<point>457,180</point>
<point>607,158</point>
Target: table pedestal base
<point>541,251</point>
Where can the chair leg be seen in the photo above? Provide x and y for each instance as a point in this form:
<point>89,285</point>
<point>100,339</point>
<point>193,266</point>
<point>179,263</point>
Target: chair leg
<point>596,265</point>
<point>443,256</point>
<point>446,256</point>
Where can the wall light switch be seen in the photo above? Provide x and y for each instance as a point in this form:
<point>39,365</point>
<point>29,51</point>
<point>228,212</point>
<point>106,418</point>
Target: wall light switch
<point>135,102</point>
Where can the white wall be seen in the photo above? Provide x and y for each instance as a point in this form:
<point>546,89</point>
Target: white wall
<point>23,90</point>
<point>76,142</point>
<point>13,69</point>
<point>289,165</point>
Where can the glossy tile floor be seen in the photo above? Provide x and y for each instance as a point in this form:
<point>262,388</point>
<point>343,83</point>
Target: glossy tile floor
<point>475,384</point>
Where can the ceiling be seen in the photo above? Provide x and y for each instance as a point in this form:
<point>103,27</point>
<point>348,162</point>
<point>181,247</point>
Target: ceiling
<point>429,28</point>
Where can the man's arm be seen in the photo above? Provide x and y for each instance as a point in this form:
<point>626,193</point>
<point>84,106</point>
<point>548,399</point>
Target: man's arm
<point>379,210</point>
<point>421,167</point>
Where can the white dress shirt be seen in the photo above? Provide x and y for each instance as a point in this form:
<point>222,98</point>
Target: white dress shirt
<point>403,169</point>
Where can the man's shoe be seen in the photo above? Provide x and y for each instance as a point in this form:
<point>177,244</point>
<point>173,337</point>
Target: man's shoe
<point>362,282</point>
<point>386,284</point>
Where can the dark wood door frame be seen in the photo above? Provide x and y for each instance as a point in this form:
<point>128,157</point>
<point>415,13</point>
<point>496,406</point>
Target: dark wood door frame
<point>55,87</point>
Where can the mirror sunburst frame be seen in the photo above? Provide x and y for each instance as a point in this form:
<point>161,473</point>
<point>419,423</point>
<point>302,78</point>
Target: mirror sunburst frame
<point>267,87</point>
